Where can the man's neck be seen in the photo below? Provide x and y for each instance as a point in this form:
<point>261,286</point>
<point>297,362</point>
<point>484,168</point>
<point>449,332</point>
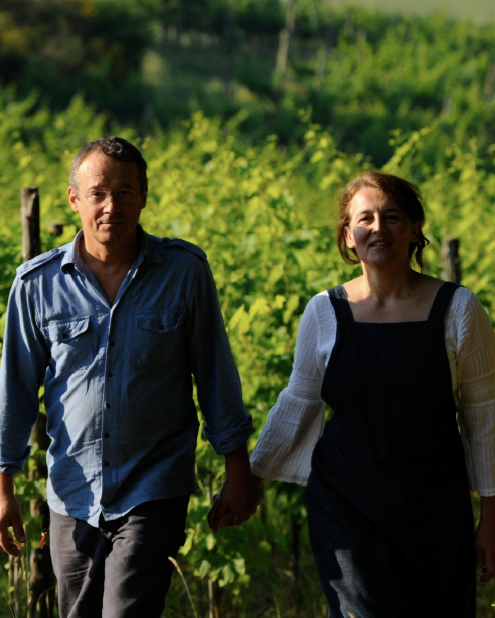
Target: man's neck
<point>109,267</point>
<point>108,258</point>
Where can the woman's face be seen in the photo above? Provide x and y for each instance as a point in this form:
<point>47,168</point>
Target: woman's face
<point>379,231</point>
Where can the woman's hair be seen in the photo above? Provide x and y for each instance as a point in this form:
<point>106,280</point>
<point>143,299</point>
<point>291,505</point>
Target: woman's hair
<point>407,197</point>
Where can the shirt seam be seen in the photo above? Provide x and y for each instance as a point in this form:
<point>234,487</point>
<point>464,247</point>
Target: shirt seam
<point>31,297</point>
<point>194,286</point>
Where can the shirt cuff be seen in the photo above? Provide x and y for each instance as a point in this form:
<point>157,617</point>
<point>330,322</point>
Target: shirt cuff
<point>8,466</point>
<point>486,493</point>
<point>230,439</point>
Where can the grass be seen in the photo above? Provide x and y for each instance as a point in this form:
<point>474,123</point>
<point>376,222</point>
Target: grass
<point>477,10</point>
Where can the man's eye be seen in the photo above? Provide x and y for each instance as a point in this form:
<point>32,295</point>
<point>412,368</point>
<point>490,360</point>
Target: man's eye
<point>98,194</point>
<point>122,193</point>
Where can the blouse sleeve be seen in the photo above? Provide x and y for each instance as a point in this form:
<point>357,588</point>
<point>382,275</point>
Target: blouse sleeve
<point>295,423</point>
<point>476,380</point>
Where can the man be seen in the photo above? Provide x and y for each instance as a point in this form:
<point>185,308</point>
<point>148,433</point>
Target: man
<point>114,324</point>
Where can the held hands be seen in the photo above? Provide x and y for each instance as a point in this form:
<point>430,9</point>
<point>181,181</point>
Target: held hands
<point>10,516</point>
<point>240,494</point>
<point>236,503</point>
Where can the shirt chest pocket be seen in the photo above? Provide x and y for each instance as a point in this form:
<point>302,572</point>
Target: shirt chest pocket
<point>70,344</point>
<point>160,337</point>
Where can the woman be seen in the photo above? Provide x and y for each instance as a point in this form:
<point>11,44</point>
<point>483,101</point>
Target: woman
<point>394,353</point>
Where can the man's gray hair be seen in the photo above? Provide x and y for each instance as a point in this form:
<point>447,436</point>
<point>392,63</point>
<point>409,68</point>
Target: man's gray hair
<point>116,148</point>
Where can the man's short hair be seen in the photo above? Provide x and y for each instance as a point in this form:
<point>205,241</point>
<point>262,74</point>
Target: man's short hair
<point>116,148</point>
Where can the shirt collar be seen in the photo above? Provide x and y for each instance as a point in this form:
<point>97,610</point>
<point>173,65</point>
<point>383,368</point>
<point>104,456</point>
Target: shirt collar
<point>71,255</point>
<point>146,250</point>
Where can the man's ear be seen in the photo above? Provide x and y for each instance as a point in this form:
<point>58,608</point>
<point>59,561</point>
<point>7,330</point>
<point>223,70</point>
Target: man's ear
<point>73,201</point>
<point>144,197</point>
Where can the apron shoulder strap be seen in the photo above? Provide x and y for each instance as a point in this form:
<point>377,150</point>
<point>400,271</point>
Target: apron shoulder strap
<point>340,304</point>
<point>442,301</point>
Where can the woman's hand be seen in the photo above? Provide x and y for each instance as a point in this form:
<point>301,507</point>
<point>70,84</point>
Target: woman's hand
<point>485,539</point>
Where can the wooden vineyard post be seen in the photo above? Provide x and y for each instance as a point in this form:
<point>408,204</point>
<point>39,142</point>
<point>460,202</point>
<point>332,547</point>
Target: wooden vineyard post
<point>285,38</point>
<point>451,260</point>
<point>30,220</point>
<point>230,35</point>
<point>41,578</point>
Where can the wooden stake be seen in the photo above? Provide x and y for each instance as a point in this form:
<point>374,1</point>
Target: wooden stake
<point>30,220</point>
<point>41,579</point>
<point>451,259</point>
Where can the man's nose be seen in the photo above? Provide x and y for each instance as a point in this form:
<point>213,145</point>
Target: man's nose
<point>110,202</point>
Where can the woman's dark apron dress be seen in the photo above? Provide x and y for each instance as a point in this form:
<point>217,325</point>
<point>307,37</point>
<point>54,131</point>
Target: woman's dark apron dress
<point>390,519</point>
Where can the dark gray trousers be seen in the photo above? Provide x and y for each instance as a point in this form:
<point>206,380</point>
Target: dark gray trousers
<point>121,569</point>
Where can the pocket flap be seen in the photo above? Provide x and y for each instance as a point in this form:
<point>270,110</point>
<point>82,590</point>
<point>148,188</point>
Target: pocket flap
<point>65,331</point>
<point>159,322</point>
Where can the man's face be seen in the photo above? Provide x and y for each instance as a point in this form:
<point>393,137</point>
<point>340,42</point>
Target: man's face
<point>113,222</point>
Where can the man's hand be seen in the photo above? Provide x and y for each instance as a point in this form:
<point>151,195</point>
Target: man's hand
<point>10,516</point>
<point>485,539</point>
<point>240,494</point>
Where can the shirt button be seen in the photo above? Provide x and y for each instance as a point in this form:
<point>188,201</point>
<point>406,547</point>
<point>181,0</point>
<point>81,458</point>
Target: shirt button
<point>112,342</point>
<point>107,435</point>
<point>107,405</point>
<point>110,374</point>
<point>161,327</point>
<point>106,464</point>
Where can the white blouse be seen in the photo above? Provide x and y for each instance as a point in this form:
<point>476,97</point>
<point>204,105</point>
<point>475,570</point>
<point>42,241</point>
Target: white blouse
<point>295,423</point>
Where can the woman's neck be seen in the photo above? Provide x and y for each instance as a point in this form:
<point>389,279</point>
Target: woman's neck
<point>385,284</point>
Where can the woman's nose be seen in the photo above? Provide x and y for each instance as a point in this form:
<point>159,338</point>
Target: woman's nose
<point>378,223</point>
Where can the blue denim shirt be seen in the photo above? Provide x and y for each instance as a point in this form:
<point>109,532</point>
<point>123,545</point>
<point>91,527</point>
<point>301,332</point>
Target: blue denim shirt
<point>118,385</point>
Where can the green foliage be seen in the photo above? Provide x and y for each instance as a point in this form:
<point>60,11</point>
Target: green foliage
<point>95,46</point>
<point>363,73</point>
<point>414,95</point>
<point>265,217</point>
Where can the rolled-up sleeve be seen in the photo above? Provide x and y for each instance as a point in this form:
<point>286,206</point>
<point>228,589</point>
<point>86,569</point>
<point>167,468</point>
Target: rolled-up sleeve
<point>217,379</point>
<point>24,361</point>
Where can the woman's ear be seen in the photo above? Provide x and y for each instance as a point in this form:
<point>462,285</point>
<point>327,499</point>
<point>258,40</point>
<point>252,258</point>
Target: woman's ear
<point>416,234</point>
<point>349,238</point>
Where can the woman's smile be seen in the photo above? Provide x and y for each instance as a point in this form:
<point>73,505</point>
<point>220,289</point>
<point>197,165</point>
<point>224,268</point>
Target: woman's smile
<point>378,229</point>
